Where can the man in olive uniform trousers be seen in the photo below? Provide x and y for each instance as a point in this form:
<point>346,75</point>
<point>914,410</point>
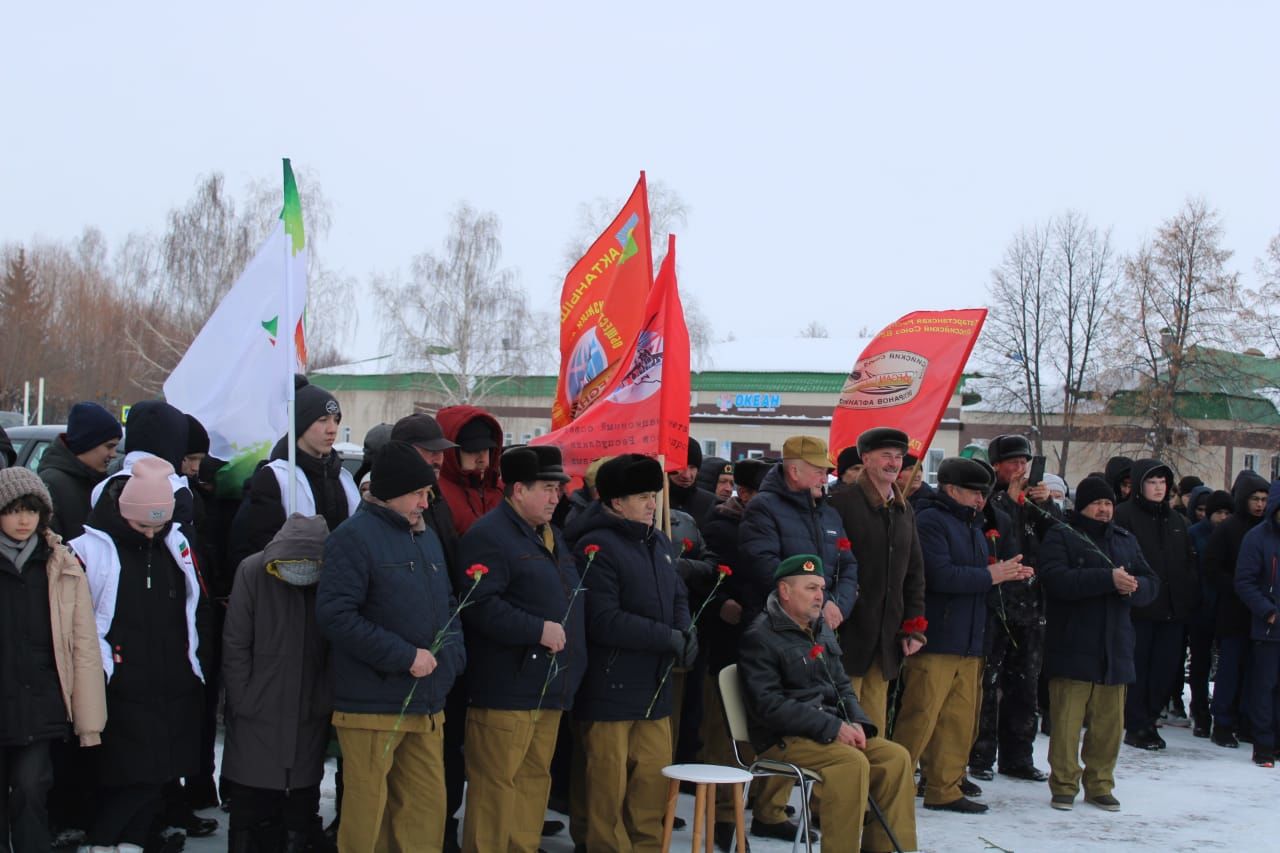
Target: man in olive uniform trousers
<point>886,623</point>
<point>801,710</point>
<point>527,646</point>
<point>1015,621</point>
<point>940,700</point>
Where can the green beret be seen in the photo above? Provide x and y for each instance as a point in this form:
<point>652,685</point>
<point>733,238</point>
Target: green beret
<point>800,564</point>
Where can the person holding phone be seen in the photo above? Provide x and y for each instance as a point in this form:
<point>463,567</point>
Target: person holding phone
<point>1015,617</point>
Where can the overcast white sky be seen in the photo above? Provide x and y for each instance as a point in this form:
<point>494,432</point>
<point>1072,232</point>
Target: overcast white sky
<point>845,162</point>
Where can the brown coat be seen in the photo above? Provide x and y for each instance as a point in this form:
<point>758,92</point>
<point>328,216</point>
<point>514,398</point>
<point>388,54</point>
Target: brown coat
<point>75,643</point>
<point>890,576</point>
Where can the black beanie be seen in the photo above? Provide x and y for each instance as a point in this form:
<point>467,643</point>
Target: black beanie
<point>695,454</point>
<point>847,459</point>
<point>197,437</point>
<point>398,470</point>
<point>90,425</point>
<point>1093,489</point>
<point>1220,499</point>
<point>311,403</point>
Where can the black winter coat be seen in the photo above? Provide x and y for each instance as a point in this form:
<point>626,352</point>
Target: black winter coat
<point>384,593</point>
<point>1022,601</point>
<point>31,703</point>
<point>155,700</point>
<point>275,665</point>
<point>262,514</point>
<point>693,500</point>
<point>956,577</point>
<point>526,586</point>
<point>781,522</point>
<point>890,576</point>
<point>1231,616</point>
<point>70,483</point>
<point>1089,634</point>
<point>721,533</point>
<point>634,600</point>
<point>790,691</point>
<point>1162,535</point>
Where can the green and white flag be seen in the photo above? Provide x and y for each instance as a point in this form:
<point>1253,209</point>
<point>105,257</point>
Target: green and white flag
<point>237,375</point>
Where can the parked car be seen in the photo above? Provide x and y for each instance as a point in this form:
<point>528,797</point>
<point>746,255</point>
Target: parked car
<point>30,442</point>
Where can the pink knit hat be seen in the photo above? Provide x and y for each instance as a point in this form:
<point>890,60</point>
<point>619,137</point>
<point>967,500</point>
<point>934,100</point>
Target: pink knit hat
<point>148,496</point>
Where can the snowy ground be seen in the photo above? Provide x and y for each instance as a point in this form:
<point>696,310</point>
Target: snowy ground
<point>1192,796</point>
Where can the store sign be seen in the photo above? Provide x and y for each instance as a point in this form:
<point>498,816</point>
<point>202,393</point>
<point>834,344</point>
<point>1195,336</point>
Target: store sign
<point>749,402</point>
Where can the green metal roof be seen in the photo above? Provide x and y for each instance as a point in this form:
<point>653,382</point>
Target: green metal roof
<point>796,383</point>
<point>1218,385</point>
<point>382,382</point>
<point>545,386</point>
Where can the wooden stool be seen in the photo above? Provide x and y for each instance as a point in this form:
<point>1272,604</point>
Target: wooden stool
<point>705,777</point>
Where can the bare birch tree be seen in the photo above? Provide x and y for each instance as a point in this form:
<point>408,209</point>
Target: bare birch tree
<point>462,316</point>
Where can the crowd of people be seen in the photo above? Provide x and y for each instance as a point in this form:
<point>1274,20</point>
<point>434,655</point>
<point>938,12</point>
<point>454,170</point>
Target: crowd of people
<point>459,628</point>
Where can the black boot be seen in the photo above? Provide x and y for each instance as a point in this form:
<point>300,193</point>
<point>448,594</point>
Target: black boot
<point>241,841</point>
<point>451,844</point>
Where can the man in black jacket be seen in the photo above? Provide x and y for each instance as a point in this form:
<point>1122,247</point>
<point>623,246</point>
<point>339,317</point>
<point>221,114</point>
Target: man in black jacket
<point>1092,576</point>
<point>1015,622</point>
<point>801,710</point>
<point>526,644</point>
<point>683,487</point>
<point>1231,616</point>
<point>75,462</point>
<point>1160,625</point>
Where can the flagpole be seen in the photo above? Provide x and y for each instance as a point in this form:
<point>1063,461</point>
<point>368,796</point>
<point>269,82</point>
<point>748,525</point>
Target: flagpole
<point>291,356</point>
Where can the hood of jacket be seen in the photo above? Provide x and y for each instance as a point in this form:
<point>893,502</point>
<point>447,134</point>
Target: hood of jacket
<point>1198,495</point>
<point>452,419</point>
<point>709,473</point>
<point>58,457</point>
<point>1142,469</point>
<point>159,429</point>
<point>1118,467</point>
<point>1248,482</point>
<point>1273,505</point>
<point>732,508</point>
<point>301,538</point>
<point>775,481</point>
<point>940,500</point>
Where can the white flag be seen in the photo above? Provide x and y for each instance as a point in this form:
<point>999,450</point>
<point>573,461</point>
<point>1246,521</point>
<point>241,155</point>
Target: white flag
<point>236,375</point>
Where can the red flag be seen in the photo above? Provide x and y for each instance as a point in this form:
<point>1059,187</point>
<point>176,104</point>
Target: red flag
<point>906,376</point>
<point>601,308</point>
<point>646,407</point>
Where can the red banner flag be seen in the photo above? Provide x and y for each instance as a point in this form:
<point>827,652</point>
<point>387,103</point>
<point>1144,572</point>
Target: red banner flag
<point>601,308</point>
<point>646,408</point>
<point>906,376</point>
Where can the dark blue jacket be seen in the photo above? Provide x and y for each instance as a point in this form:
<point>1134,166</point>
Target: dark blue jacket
<point>634,600</point>
<point>779,523</point>
<point>956,577</point>
<point>1162,536</point>
<point>1089,632</point>
<point>383,594</point>
<point>1256,571</point>
<point>526,586</point>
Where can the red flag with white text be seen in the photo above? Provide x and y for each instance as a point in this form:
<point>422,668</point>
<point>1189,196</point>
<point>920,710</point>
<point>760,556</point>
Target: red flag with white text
<point>905,377</point>
<point>601,305</point>
<point>645,409</point>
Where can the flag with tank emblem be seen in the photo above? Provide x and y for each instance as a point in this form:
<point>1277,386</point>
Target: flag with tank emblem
<point>645,409</point>
<point>601,308</point>
<point>236,375</point>
<point>905,377</point>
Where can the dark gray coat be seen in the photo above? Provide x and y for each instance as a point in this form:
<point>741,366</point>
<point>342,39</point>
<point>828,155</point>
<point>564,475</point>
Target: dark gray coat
<point>275,668</point>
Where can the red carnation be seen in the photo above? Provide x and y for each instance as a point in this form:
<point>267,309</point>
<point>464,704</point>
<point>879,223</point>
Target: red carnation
<point>993,534</point>
<point>687,545</point>
<point>844,544</point>
<point>724,570</point>
<point>915,625</point>
<point>991,561</point>
<point>590,549</point>
<point>477,570</point>
<point>1022,498</point>
<point>816,651</point>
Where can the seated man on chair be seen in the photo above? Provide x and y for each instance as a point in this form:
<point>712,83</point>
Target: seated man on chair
<point>802,710</point>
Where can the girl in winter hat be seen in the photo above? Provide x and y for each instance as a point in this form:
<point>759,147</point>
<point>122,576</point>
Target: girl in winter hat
<point>48,657</point>
<point>145,594</point>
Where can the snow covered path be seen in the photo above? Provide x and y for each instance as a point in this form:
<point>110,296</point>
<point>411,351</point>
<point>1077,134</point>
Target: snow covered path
<point>1192,796</point>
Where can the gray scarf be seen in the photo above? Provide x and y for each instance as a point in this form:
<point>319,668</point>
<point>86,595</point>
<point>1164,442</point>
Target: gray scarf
<point>18,552</point>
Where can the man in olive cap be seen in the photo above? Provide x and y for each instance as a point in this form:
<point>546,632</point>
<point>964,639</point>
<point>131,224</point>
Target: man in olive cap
<point>940,701</point>
<point>526,641</point>
<point>883,628</point>
<point>801,709</point>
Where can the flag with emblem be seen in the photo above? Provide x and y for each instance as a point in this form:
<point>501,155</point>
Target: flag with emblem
<point>236,376</point>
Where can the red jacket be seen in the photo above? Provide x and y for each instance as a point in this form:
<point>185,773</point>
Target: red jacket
<point>468,496</point>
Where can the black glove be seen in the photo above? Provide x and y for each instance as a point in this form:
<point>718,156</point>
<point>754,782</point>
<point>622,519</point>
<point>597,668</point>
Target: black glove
<point>690,650</point>
<point>677,644</point>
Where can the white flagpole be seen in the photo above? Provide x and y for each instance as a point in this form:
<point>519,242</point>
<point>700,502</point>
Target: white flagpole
<point>291,500</point>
